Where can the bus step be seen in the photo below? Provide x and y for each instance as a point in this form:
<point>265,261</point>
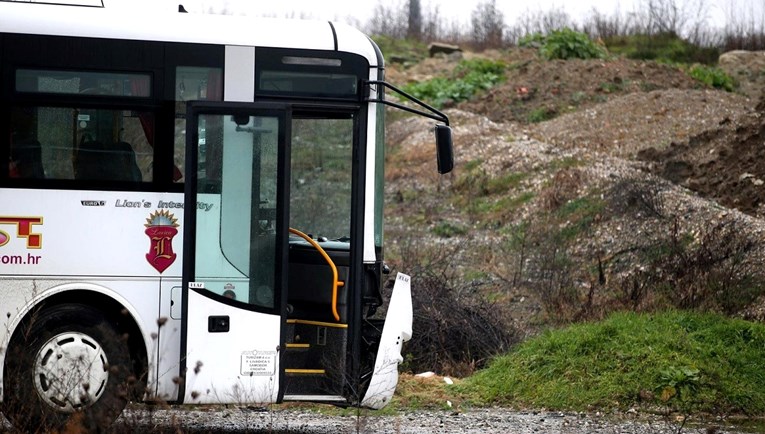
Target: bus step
<point>311,382</point>
<point>315,398</point>
<point>295,372</point>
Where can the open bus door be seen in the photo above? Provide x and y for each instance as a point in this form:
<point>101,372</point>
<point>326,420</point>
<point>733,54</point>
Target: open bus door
<point>235,252</point>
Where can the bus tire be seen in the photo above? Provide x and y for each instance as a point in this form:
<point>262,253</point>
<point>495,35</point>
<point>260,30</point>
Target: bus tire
<point>67,366</point>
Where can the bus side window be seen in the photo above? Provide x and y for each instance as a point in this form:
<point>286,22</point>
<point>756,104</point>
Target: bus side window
<point>193,83</point>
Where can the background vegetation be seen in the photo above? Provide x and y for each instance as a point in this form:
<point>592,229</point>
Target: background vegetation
<point>651,324</point>
<point>661,28</point>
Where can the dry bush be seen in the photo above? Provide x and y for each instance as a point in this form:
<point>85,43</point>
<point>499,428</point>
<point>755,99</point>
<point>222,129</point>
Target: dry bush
<point>711,269</point>
<point>456,330</point>
<point>668,263</point>
<point>566,185</point>
<point>638,198</point>
<point>487,25</point>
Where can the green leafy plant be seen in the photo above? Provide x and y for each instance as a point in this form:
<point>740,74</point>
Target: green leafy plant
<point>678,384</point>
<point>564,44</point>
<point>714,77</point>
<point>469,78</point>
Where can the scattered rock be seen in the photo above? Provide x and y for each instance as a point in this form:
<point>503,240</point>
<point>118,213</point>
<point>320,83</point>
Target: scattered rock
<point>435,48</point>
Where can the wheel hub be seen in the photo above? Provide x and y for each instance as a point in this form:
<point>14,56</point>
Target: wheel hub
<point>71,371</point>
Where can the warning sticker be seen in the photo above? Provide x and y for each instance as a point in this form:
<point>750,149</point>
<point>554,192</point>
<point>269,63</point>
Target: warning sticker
<point>258,362</point>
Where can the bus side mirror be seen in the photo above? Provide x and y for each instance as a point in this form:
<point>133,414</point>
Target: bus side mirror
<point>444,149</point>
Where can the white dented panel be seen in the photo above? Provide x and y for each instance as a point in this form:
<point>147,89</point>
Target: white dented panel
<point>397,330</point>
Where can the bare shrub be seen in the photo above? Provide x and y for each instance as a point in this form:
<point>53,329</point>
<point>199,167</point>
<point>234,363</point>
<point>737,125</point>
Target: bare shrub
<point>456,330</point>
<point>566,184</point>
<point>638,197</point>
<point>672,16</point>
<point>539,22</point>
<point>744,29</point>
<point>706,270</point>
<point>666,263</point>
<point>390,19</point>
<point>487,25</point>
<point>553,276</point>
<point>600,25</point>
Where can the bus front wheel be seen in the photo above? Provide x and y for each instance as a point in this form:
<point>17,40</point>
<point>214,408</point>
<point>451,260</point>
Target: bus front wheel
<point>67,366</point>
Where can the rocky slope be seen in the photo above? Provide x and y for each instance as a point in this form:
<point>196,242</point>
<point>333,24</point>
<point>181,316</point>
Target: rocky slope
<point>623,132</point>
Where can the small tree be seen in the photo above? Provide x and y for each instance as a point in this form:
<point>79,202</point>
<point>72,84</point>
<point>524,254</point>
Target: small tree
<point>488,24</point>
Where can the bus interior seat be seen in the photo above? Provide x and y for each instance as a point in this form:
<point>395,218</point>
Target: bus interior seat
<point>97,162</point>
<point>127,161</point>
<point>27,156</point>
<point>309,292</point>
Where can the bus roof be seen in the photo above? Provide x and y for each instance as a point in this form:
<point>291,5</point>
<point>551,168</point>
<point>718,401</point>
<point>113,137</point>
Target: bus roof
<point>93,22</point>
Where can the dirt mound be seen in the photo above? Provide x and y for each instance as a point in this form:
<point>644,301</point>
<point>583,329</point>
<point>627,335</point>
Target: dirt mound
<point>614,128</point>
<point>625,125</point>
<point>726,163</point>
<point>536,90</point>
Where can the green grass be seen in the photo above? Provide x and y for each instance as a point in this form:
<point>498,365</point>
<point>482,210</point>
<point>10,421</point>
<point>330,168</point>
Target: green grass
<point>541,114</point>
<point>448,230</point>
<point>402,51</point>
<point>579,215</point>
<point>685,361</point>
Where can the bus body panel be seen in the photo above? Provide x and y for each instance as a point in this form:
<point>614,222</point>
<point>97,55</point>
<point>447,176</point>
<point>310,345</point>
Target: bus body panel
<point>112,234</point>
<point>21,294</point>
<point>240,80</point>
<point>117,254</point>
<point>191,28</point>
<point>89,233</point>
<point>217,371</point>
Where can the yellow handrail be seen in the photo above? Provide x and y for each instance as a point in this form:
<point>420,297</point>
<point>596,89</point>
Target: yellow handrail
<point>335,281</point>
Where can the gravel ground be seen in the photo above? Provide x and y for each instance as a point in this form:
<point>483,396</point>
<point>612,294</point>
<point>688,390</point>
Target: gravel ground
<point>494,420</point>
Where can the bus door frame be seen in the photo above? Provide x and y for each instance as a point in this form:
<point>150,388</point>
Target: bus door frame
<point>250,384</point>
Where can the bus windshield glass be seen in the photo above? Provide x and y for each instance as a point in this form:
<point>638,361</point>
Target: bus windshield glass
<point>320,190</point>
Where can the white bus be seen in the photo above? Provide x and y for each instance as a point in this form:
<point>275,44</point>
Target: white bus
<point>191,212</point>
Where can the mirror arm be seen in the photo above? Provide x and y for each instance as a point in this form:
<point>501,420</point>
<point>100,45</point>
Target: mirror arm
<point>431,112</point>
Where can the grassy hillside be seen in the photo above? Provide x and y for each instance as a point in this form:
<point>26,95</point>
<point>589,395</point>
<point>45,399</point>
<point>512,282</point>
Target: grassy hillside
<point>671,362</point>
<point>676,360</point>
